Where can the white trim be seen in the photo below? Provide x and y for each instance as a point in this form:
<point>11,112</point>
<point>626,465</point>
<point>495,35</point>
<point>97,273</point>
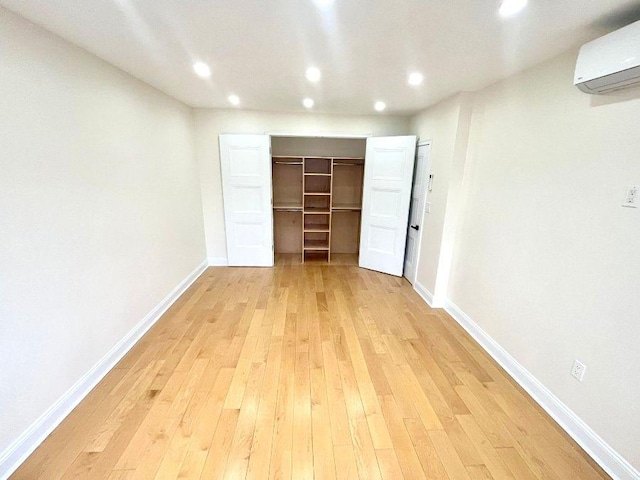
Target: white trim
<point>319,135</point>
<point>18,451</point>
<point>218,262</point>
<point>590,441</point>
<point>426,295</point>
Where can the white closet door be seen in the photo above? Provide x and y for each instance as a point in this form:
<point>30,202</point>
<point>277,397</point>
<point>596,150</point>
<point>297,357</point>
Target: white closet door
<point>246,185</point>
<point>388,171</point>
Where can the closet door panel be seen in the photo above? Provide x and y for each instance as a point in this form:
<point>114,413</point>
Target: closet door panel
<point>246,185</point>
<point>385,202</point>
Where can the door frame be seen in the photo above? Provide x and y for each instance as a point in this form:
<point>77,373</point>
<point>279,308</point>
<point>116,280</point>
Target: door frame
<point>304,134</point>
<point>421,143</point>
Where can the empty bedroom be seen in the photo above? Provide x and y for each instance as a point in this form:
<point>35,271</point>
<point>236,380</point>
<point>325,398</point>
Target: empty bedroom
<point>319,239</point>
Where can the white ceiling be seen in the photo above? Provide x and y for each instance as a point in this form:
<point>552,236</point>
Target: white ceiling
<point>260,49</point>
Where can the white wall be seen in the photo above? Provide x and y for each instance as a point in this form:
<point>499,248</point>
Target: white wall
<point>446,125</point>
<point>546,260</point>
<point>100,213</point>
<point>211,123</point>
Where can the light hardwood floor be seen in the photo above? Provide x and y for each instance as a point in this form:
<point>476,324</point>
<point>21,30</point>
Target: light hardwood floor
<point>314,371</point>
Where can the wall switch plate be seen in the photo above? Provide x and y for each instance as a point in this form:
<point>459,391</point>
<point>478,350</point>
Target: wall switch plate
<point>578,370</point>
<point>632,198</point>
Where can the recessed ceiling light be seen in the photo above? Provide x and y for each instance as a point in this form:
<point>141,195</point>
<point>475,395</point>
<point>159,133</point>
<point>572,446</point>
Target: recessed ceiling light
<point>308,102</point>
<point>416,78</point>
<point>380,106</point>
<point>234,100</point>
<point>313,74</point>
<point>511,7</point>
<point>202,69</point>
<point>323,3</point>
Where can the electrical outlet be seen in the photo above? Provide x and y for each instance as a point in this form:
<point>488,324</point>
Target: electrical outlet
<point>632,199</point>
<point>578,370</point>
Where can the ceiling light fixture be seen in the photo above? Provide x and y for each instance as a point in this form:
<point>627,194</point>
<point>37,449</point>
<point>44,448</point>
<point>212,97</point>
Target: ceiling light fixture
<point>415,78</point>
<point>234,100</point>
<point>308,102</point>
<point>202,69</point>
<point>313,74</point>
<point>511,7</point>
<point>380,106</point>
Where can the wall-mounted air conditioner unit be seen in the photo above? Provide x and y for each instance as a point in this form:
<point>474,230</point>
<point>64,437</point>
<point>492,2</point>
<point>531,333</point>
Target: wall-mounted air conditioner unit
<point>610,62</point>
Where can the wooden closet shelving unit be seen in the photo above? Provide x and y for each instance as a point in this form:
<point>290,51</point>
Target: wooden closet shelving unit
<point>315,200</point>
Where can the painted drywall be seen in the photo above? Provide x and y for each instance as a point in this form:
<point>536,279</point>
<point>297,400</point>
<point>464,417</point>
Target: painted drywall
<point>446,126</point>
<point>211,123</point>
<point>546,260</point>
<point>100,213</point>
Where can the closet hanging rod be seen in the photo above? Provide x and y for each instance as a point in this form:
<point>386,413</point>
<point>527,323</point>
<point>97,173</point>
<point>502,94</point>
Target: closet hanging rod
<point>288,163</point>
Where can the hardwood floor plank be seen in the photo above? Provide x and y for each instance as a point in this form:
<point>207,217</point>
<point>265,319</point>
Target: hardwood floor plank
<point>389,465</point>
<point>282,443</point>
<point>219,452</point>
<point>302,453</point>
<point>489,455</point>
<point>340,431</point>
<point>448,456</point>
<point>346,468</point>
<point>426,452</point>
<point>240,450</point>
<point>404,450</point>
<point>324,466</point>
<point>266,417</point>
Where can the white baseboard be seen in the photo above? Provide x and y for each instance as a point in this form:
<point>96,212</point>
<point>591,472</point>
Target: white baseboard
<point>218,261</point>
<point>426,295</point>
<point>590,441</point>
<point>28,441</point>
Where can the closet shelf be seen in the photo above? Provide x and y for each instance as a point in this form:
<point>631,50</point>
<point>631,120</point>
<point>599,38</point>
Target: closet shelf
<point>339,208</point>
<point>326,194</point>
<point>290,207</point>
<point>316,245</point>
<point>317,210</point>
<point>319,228</point>
<point>311,174</point>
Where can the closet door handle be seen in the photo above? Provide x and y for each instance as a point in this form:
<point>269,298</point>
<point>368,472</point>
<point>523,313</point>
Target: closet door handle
<point>415,227</point>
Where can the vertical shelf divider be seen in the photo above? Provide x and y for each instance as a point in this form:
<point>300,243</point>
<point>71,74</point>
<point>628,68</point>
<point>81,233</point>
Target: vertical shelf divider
<point>317,201</point>
<point>330,210</point>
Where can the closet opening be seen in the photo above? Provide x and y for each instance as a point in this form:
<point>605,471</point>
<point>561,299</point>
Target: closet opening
<point>317,198</point>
